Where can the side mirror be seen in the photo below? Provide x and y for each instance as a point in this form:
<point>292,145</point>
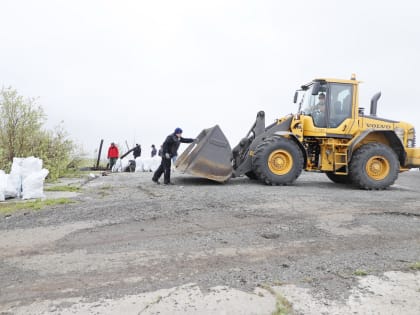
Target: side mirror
<point>295,97</point>
<point>316,88</point>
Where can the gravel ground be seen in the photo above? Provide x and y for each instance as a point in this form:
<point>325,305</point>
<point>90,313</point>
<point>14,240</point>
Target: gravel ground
<point>126,239</point>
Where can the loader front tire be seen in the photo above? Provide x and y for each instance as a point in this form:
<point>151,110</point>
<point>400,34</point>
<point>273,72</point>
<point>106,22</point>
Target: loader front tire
<point>374,166</point>
<point>277,161</point>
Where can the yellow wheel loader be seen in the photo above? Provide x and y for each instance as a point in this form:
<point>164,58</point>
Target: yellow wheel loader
<point>330,133</point>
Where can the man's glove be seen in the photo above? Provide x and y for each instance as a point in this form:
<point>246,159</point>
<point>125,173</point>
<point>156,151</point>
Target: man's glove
<point>167,156</point>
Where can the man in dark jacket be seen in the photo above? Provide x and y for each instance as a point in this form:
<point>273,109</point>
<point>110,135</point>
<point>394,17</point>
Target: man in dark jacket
<point>153,153</point>
<point>169,150</point>
<point>137,151</point>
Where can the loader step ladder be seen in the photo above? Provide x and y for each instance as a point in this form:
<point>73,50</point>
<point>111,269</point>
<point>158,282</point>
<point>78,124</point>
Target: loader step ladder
<point>341,160</point>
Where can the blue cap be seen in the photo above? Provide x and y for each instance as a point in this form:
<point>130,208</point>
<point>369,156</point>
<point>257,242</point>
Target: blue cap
<point>178,130</point>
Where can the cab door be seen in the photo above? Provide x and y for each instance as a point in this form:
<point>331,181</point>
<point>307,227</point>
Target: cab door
<point>340,106</point>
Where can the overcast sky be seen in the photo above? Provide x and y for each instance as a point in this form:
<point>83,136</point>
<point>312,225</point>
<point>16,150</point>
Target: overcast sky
<point>134,70</point>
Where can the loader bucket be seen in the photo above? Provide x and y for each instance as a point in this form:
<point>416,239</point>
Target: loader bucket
<point>209,156</point>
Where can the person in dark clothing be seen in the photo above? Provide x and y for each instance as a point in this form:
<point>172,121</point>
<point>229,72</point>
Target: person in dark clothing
<point>169,150</point>
<point>153,153</point>
<point>137,151</point>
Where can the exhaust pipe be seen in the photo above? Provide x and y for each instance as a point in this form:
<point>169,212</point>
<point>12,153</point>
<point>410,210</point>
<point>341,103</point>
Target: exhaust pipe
<point>374,103</point>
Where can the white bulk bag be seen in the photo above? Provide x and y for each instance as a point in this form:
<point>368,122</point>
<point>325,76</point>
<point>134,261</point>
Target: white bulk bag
<point>33,185</point>
<point>125,162</point>
<point>155,162</point>
<point>30,165</point>
<point>139,164</point>
<point>3,184</point>
<point>146,164</point>
<point>14,180</point>
<point>120,165</point>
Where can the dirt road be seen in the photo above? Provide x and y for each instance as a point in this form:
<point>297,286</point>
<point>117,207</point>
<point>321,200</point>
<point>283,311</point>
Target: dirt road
<point>132,247</point>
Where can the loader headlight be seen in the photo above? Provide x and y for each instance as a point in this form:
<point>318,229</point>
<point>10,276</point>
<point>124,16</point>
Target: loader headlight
<point>400,134</point>
<point>411,138</point>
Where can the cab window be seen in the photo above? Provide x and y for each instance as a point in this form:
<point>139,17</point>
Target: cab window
<point>340,103</point>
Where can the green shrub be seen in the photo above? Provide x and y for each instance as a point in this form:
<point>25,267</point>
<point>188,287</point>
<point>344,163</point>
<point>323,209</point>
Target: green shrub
<point>22,135</point>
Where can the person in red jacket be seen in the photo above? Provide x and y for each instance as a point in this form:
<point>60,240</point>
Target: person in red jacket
<point>113,155</point>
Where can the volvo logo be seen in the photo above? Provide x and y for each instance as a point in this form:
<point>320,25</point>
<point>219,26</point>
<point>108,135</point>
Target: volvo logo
<point>378,126</point>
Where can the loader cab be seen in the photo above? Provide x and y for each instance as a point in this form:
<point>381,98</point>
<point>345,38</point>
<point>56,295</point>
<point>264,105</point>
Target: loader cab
<point>329,104</point>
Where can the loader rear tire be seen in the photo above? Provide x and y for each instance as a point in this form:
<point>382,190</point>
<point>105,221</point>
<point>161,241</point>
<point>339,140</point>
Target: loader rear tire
<point>374,166</point>
<point>277,161</point>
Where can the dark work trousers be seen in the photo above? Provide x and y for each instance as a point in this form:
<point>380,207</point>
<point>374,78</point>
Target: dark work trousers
<point>112,162</point>
<point>165,168</point>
